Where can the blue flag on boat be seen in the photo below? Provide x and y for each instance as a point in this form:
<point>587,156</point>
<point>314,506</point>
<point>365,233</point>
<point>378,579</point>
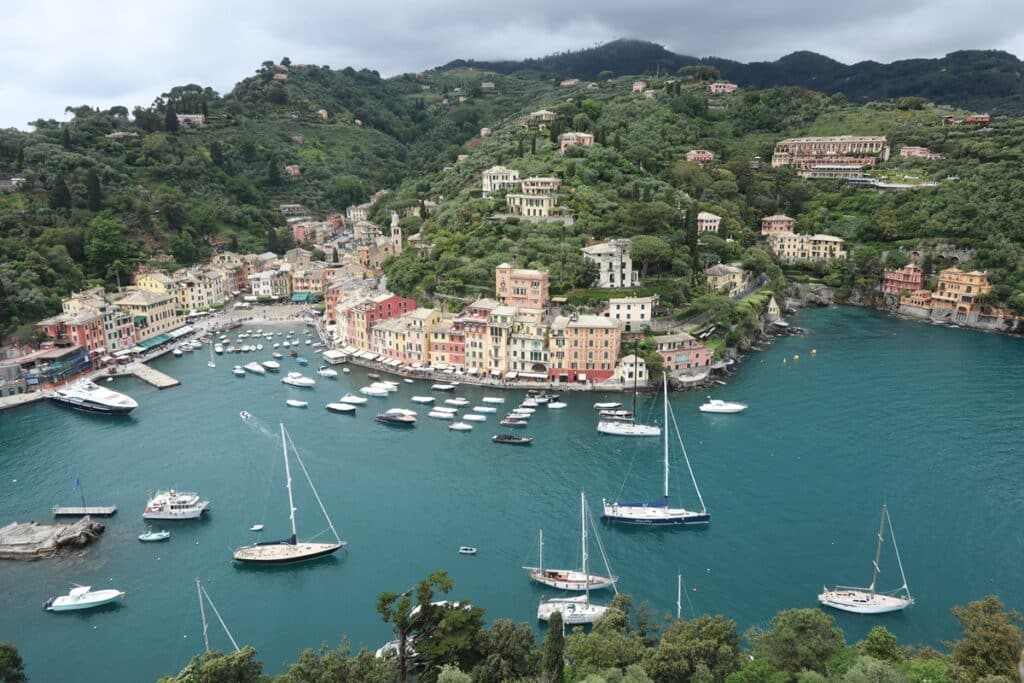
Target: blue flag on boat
<point>78,482</point>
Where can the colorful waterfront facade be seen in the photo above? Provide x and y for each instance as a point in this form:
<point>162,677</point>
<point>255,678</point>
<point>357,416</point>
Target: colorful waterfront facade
<point>682,353</point>
<point>521,287</point>
<point>906,279</point>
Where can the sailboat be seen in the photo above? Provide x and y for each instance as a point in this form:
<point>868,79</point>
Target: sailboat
<point>578,609</point>
<point>210,363</point>
<point>629,427</point>
<point>658,511</point>
<point>572,579</point>
<point>867,600</point>
<point>290,549</point>
<point>202,612</point>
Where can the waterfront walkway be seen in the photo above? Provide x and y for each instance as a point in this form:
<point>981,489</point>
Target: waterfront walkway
<point>21,399</point>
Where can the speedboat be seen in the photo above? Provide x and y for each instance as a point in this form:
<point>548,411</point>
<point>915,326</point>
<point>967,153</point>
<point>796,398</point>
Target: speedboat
<point>443,387</point>
<point>153,536</point>
<point>218,349</point>
<point>513,422</point>
<point>82,597</point>
<point>467,550</point>
<point>422,399</point>
<point>715,405</point>
<point>341,407</point>
<point>297,379</point>
<point>441,415</point>
<point>277,354</point>
<point>460,427</point>
<point>271,365</point>
<point>325,371</point>
<point>484,409</point>
<point>177,352</point>
<point>474,417</point>
<point>301,361</point>
<point>492,399</point>
<point>526,410</point>
<point>90,397</point>
<point>353,399</point>
<point>173,504</point>
<point>512,439</point>
<point>556,405</point>
<point>238,371</point>
<point>386,386</point>
<point>255,368</point>
<point>408,381</point>
<point>373,375</point>
<point>456,402</point>
<point>295,403</point>
<point>528,403</point>
<point>398,417</point>
<point>611,405</point>
<point>373,391</point>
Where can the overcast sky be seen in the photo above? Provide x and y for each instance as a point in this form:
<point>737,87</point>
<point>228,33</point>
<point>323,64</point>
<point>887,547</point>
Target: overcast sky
<point>77,52</point>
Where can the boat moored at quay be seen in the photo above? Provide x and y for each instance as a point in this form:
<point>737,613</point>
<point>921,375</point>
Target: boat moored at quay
<point>90,397</point>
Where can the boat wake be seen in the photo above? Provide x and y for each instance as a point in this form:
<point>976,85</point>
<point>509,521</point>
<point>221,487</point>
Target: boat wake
<point>254,423</point>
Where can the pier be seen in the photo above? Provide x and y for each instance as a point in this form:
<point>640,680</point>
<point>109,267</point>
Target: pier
<point>82,510</point>
<point>21,399</point>
<point>151,376</point>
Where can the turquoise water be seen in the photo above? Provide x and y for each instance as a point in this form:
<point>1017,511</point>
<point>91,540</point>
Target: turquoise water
<point>925,418</point>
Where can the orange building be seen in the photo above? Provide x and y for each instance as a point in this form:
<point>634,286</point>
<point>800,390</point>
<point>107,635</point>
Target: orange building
<point>521,287</point>
<point>583,348</point>
<point>959,290</point>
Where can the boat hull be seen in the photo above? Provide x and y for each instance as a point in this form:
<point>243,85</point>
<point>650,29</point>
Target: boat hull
<point>97,409</point>
<point>94,599</point>
<point>618,428</point>
<point>285,553</point>
<point>568,580</point>
<point>862,602</point>
<point>573,613</point>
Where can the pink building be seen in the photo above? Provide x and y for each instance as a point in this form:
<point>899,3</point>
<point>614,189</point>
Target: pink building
<point>722,88</point>
<point>574,138</point>
<point>771,225</point>
<point>77,328</point>
<point>909,278</point>
<point>521,287</point>
<point>357,316</point>
<point>639,86</point>
<point>292,170</point>
<point>681,353</point>
<point>708,222</point>
<point>911,152</point>
<point>700,156</point>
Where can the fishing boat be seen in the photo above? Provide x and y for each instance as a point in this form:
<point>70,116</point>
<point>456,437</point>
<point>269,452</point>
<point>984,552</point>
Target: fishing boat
<point>422,399</point>
<point>255,368</point>
<point>629,427</point>
<point>325,371</point>
<point>90,397</point>
<point>290,549</point>
<point>295,403</point>
<point>399,417</point>
<point>353,399</point>
<point>572,579</point>
<point>484,409</point>
<point>556,405</point>
<point>297,379</point>
<point>474,417</point>
<point>173,504</point>
<point>154,536</point>
<point>373,391</point>
<point>467,550</point>
<point>271,365</point>
<point>608,405</point>
<point>82,597</point>
<point>441,414</point>
<point>512,439</point>
<point>492,399</point>
<point>443,387</point>
<point>869,600</point>
<point>460,427</point>
<point>341,408</point>
<point>715,405</point>
<point>658,511</point>
<point>456,402</point>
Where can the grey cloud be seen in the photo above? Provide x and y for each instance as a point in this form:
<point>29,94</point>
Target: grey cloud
<point>85,51</point>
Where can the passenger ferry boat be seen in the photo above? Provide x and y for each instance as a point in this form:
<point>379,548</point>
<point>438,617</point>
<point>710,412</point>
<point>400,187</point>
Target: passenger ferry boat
<point>173,504</point>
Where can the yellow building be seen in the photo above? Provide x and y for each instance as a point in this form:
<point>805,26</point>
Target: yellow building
<point>959,290</point>
<point>790,247</point>
<point>726,278</point>
<point>152,313</point>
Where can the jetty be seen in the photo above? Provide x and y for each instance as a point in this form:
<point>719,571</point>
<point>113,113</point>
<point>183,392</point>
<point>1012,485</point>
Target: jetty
<point>21,399</point>
<point>82,510</point>
<point>151,376</point>
<point>31,541</point>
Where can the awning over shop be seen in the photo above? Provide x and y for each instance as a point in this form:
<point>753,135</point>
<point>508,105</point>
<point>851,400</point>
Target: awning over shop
<point>300,297</point>
<point>537,375</point>
<point>138,319</point>
<point>511,375</point>
<point>155,341</point>
<point>181,332</point>
<point>582,377</point>
<point>495,372</point>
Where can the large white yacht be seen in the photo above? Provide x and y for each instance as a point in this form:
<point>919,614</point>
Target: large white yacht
<point>173,504</point>
<point>88,396</point>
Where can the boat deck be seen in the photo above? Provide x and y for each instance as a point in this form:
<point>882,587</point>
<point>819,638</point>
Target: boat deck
<point>79,510</point>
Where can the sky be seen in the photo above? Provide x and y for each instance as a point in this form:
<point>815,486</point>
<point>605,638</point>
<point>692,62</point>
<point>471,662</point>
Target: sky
<point>61,53</point>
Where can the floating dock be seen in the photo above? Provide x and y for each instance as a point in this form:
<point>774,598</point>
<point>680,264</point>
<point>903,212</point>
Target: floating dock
<point>151,376</point>
<point>81,511</point>
<point>32,541</point>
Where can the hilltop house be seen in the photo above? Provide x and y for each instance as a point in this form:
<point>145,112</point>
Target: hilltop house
<point>614,263</point>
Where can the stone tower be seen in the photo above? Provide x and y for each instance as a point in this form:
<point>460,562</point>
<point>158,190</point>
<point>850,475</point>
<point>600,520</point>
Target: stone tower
<point>396,234</point>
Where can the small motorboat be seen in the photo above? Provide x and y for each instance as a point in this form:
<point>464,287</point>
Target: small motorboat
<point>259,347</point>
<point>301,361</point>
<point>325,371</point>
<point>255,368</point>
<point>456,402</point>
<point>271,365</point>
<point>341,407</point>
<point>373,375</point>
<point>556,405</point>
<point>611,405</point>
<point>441,415</point>
<point>460,427</point>
<point>467,550</point>
<point>529,403</point>
<point>177,352</point>
<point>398,417</point>
<point>297,379</point>
<point>373,391</point>
<point>715,405</point>
<point>527,410</point>
<point>82,597</point>
<point>256,527</point>
<point>474,417</point>
<point>512,439</point>
<point>422,399</point>
<point>513,422</point>
<point>218,349</point>
<point>286,344</point>
<point>238,371</point>
<point>484,409</point>
<point>277,354</point>
<point>519,415</point>
<point>153,536</point>
<point>295,403</point>
<point>245,415</point>
<point>443,387</point>
<point>353,399</point>
<point>293,353</point>
<point>276,345</point>
<point>407,380</point>
<point>386,386</point>
<point>492,399</point>
<point>346,370</point>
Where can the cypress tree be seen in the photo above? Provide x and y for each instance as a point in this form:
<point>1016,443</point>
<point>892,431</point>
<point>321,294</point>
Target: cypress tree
<point>272,244</point>
<point>60,196</point>
<point>273,173</point>
<point>204,110</point>
<point>234,243</point>
<point>94,194</point>
<point>65,137</point>
<point>334,255</point>
<point>423,210</point>
<point>533,144</point>
<point>216,155</point>
<point>552,654</point>
<point>520,152</point>
<point>170,119</point>
<point>19,159</point>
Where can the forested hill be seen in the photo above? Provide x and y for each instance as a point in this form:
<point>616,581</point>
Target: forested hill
<point>981,80</point>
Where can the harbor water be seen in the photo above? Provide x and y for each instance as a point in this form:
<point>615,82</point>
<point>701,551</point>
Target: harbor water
<point>926,419</point>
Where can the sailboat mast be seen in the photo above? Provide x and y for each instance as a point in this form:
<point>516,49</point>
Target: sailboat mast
<point>878,550</point>
<point>892,535</point>
<point>541,550</point>
<point>636,350</point>
<point>288,482</point>
<point>202,613</point>
<point>664,382</point>
<point>583,530</point>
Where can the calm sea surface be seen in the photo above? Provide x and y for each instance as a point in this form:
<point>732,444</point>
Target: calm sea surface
<point>925,418</point>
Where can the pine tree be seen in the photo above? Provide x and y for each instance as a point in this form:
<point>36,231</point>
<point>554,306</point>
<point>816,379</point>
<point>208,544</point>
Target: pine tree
<point>94,194</point>
<point>60,196</point>
<point>552,653</point>
<point>170,119</point>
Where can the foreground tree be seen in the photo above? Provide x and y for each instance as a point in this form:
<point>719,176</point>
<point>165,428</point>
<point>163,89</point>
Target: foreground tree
<point>552,652</point>
<point>334,666</point>
<point>992,640</point>
<point>12,669</point>
<point>706,649</point>
<point>508,652</point>
<point>216,667</point>
<point>799,639</point>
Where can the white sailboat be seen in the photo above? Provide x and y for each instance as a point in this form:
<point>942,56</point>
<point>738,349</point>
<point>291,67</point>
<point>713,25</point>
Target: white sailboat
<point>658,511</point>
<point>202,612</point>
<point>868,600</point>
<point>290,549</point>
<point>578,609</point>
<point>629,427</point>
<point>573,579</point>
